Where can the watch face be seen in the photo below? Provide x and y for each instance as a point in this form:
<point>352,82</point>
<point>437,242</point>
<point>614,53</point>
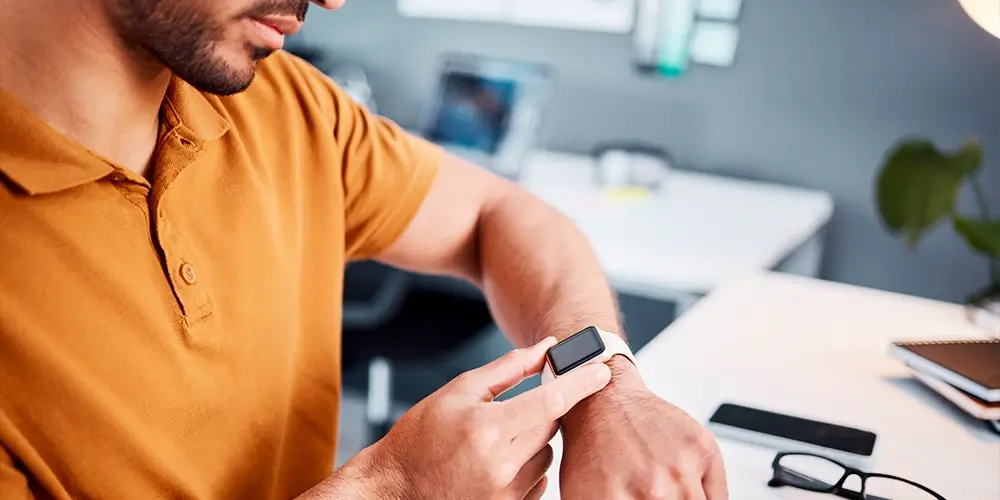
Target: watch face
<point>576,350</point>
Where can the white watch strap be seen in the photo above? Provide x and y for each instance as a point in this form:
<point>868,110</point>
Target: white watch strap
<point>613,345</point>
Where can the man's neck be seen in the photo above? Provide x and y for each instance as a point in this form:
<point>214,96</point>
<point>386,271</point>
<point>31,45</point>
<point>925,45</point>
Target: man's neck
<point>66,63</point>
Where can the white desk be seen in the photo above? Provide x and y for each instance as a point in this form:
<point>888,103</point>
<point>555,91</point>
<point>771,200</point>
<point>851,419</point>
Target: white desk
<point>699,232</point>
<point>818,350</point>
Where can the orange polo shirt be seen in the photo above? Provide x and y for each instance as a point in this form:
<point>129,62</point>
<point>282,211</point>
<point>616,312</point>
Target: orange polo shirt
<point>180,338</point>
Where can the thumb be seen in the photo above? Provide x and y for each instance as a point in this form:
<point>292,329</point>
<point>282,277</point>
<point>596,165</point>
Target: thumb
<point>493,379</point>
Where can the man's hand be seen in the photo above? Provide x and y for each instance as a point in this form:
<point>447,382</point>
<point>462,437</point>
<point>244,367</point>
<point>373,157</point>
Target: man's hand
<point>628,443</point>
<point>459,443</point>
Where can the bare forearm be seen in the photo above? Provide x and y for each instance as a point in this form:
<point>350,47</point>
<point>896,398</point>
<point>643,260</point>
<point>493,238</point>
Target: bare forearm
<point>364,477</point>
<point>538,272</point>
<point>541,278</point>
<point>540,275</point>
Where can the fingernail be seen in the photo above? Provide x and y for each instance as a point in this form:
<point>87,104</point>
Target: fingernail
<point>548,340</point>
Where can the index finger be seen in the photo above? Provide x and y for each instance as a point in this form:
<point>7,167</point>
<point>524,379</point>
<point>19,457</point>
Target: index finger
<point>714,481</point>
<point>550,402</point>
<point>492,380</point>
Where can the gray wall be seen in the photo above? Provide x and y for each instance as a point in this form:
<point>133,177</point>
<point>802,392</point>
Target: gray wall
<point>820,90</point>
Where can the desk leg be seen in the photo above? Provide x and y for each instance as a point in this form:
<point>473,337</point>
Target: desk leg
<point>379,399</point>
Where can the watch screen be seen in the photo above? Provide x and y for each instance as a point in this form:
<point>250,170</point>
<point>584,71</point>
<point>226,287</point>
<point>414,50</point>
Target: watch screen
<point>576,350</point>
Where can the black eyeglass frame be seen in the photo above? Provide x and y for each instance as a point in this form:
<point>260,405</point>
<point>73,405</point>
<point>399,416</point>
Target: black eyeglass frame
<point>781,473</point>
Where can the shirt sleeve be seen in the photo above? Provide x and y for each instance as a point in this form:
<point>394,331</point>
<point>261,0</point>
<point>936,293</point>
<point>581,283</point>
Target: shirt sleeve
<point>386,171</point>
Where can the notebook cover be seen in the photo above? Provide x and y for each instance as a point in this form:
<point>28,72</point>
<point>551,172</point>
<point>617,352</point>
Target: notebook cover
<point>978,408</point>
<point>976,360</point>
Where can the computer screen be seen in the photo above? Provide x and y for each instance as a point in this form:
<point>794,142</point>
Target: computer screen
<point>474,112</point>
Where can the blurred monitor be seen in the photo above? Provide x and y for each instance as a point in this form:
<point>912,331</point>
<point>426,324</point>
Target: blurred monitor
<point>489,111</point>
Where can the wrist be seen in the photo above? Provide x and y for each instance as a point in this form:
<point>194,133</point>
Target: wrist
<point>384,472</point>
<point>625,377</point>
<point>626,384</point>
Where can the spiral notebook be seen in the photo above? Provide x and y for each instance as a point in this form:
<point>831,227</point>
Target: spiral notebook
<point>970,365</point>
<point>983,410</point>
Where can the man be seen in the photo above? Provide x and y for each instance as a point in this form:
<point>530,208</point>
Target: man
<point>176,209</point>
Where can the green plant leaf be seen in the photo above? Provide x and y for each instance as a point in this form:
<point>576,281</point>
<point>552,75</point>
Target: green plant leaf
<point>981,235</point>
<point>969,157</point>
<point>917,187</point>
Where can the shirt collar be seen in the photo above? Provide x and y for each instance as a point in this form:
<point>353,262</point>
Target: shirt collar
<point>41,160</point>
<point>192,113</point>
<point>37,157</point>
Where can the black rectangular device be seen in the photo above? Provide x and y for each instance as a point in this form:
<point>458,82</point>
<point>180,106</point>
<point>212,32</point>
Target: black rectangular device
<point>576,350</point>
<point>768,428</point>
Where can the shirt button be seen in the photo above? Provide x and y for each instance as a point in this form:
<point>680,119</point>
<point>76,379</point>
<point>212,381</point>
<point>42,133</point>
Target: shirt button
<point>189,274</point>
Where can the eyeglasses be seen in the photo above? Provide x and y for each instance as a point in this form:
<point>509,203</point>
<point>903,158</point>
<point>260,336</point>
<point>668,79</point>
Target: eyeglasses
<point>820,474</point>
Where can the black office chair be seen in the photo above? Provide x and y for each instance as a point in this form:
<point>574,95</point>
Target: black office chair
<point>387,322</point>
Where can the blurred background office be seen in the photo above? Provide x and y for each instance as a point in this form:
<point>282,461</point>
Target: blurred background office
<point>771,130</point>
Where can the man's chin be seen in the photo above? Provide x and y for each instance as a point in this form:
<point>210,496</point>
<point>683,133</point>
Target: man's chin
<point>260,53</point>
<point>222,85</point>
<point>222,75</point>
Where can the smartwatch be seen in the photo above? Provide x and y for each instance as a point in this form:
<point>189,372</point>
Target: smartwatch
<point>590,345</point>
